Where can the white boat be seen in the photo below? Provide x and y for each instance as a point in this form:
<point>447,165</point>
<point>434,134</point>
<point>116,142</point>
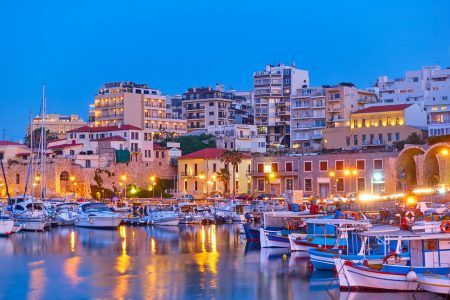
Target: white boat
<point>66,214</point>
<point>97,215</point>
<point>31,215</point>
<point>434,283</point>
<point>159,216</point>
<point>430,253</point>
<point>6,227</point>
<point>189,214</point>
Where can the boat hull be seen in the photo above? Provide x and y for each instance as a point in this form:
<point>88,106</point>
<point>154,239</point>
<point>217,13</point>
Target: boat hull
<point>166,222</point>
<point>269,240</point>
<point>99,222</point>
<point>6,227</point>
<point>437,284</point>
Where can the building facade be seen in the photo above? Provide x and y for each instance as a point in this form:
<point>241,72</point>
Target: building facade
<point>129,103</point>
<point>379,126</point>
<point>239,137</point>
<point>57,124</point>
<point>272,92</point>
<point>326,174</point>
<point>307,118</point>
<point>198,174</point>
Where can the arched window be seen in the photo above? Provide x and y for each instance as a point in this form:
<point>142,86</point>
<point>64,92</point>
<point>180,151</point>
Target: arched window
<point>17,178</point>
<point>64,176</point>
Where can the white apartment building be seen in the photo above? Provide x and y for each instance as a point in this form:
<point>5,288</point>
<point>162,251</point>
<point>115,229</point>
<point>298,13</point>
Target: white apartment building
<point>272,93</point>
<point>57,124</point>
<point>99,146</point>
<point>205,106</point>
<point>120,103</point>
<point>307,118</point>
<point>239,137</point>
<point>429,87</point>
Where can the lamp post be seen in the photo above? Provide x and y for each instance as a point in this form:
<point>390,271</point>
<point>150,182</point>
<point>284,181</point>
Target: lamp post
<point>124,179</point>
<point>153,182</point>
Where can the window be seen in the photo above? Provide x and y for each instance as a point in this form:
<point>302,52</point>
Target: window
<point>308,184</point>
<point>72,152</point>
<point>397,136</point>
<point>211,103</point>
<point>185,185</point>
<point>237,186</point>
<point>339,165</point>
<point>378,164</point>
<point>389,136</point>
<point>17,178</point>
<point>88,163</point>
<point>211,113</point>
<point>323,166</point>
<point>260,168</point>
<point>289,184</point>
<point>364,139</point>
<point>340,184</point>
<point>260,185</point>
<point>288,167</point>
<point>195,185</point>
<point>360,164</point>
<point>274,167</point>
<point>380,137</point>
<point>214,168</point>
<point>64,176</point>
<point>355,140</point>
<point>361,184</point>
<point>157,154</point>
<point>307,166</point>
<point>195,169</point>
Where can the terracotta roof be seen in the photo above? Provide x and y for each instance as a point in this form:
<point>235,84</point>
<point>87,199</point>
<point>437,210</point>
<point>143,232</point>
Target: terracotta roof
<point>111,138</point>
<point>8,143</point>
<point>23,153</point>
<point>104,128</point>
<point>382,108</point>
<point>158,147</point>
<point>64,146</point>
<point>208,153</point>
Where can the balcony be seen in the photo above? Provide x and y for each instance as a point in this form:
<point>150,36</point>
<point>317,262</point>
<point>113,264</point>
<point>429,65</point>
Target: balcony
<point>192,107</point>
<point>195,117</point>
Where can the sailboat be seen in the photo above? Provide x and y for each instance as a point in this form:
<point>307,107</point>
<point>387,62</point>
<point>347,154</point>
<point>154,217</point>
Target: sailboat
<point>30,212</point>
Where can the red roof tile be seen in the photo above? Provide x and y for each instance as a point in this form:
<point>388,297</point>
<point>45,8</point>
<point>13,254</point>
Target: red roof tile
<point>8,143</point>
<point>104,128</point>
<point>382,108</point>
<point>63,146</point>
<point>158,147</point>
<point>111,138</point>
<point>208,153</point>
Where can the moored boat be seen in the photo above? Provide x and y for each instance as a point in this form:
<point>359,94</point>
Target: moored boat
<point>97,215</point>
<point>435,283</point>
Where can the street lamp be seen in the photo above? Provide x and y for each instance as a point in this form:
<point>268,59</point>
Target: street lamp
<point>444,151</point>
<point>124,179</point>
<point>153,182</point>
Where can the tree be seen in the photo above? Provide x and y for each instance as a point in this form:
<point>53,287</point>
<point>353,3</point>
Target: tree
<point>234,158</point>
<point>412,139</point>
<point>224,176</point>
<point>50,136</point>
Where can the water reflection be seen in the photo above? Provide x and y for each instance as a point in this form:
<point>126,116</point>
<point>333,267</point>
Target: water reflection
<point>187,262</point>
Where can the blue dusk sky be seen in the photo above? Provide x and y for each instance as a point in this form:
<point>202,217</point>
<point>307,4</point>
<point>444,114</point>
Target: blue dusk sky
<point>76,46</point>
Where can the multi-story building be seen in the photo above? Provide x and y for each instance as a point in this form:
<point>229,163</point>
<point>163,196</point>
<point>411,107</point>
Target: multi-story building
<point>326,174</point>
<point>120,103</point>
<point>307,118</point>
<point>175,106</point>
<point>242,107</point>
<point>206,106</point>
<point>272,92</point>
<point>57,124</point>
<point>429,87</point>
<point>12,151</point>
<point>239,137</point>
<point>100,146</point>
<point>378,126</point>
<point>342,100</point>
<point>198,173</point>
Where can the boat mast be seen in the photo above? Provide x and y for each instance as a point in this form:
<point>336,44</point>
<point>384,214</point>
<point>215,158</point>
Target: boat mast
<point>43,143</point>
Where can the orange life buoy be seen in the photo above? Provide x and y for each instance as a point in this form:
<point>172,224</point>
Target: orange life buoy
<point>445,226</point>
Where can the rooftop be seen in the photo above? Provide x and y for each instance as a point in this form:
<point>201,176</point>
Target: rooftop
<point>104,128</point>
<point>208,153</point>
<point>9,143</point>
<point>382,108</point>
<point>111,138</point>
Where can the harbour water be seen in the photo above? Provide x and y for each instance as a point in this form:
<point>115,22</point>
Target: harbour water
<point>191,262</point>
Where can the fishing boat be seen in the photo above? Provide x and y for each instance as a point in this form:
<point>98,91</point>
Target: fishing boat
<point>430,253</point>
<point>353,245</point>
<point>97,215</point>
<point>435,283</point>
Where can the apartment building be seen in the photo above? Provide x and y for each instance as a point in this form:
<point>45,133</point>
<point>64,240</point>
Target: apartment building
<point>239,137</point>
<point>100,146</point>
<point>205,106</point>
<point>242,107</point>
<point>342,100</point>
<point>272,92</point>
<point>307,118</point>
<point>429,87</point>
<point>378,126</point>
<point>326,174</point>
<point>197,174</point>
<point>57,124</point>
<point>129,103</point>
<point>13,151</point>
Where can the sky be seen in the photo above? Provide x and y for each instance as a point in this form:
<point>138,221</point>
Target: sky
<point>75,46</point>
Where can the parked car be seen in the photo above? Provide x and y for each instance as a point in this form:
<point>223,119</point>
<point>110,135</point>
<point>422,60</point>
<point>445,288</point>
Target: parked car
<point>265,196</point>
<point>245,197</point>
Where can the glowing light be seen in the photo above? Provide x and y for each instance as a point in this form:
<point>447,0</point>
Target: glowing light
<point>72,241</point>
<point>332,174</point>
<point>272,175</point>
<point>423,191</point>
<point>152,178</point>
<point>444,152</point>
<point>133,190</point>
<point>267,168</point>
<point>153,245</point>
<point>202,176</point>
<point>346,172</point>
<point>411,200</point>
<point>124,177</point>
<point>377,176</point>
<point>441,190</point>
<point>72,178</point>
<point>354,172</point>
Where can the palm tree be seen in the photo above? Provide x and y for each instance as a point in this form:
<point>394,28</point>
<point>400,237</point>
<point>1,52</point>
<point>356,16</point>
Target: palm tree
<point>224,176</point>
<point>232,157</point>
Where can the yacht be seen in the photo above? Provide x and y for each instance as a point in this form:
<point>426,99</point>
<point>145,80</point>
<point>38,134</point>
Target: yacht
<point>97,215</point>
<point>160,216</point>
<point>66,214</point>
<point>31,215</point>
